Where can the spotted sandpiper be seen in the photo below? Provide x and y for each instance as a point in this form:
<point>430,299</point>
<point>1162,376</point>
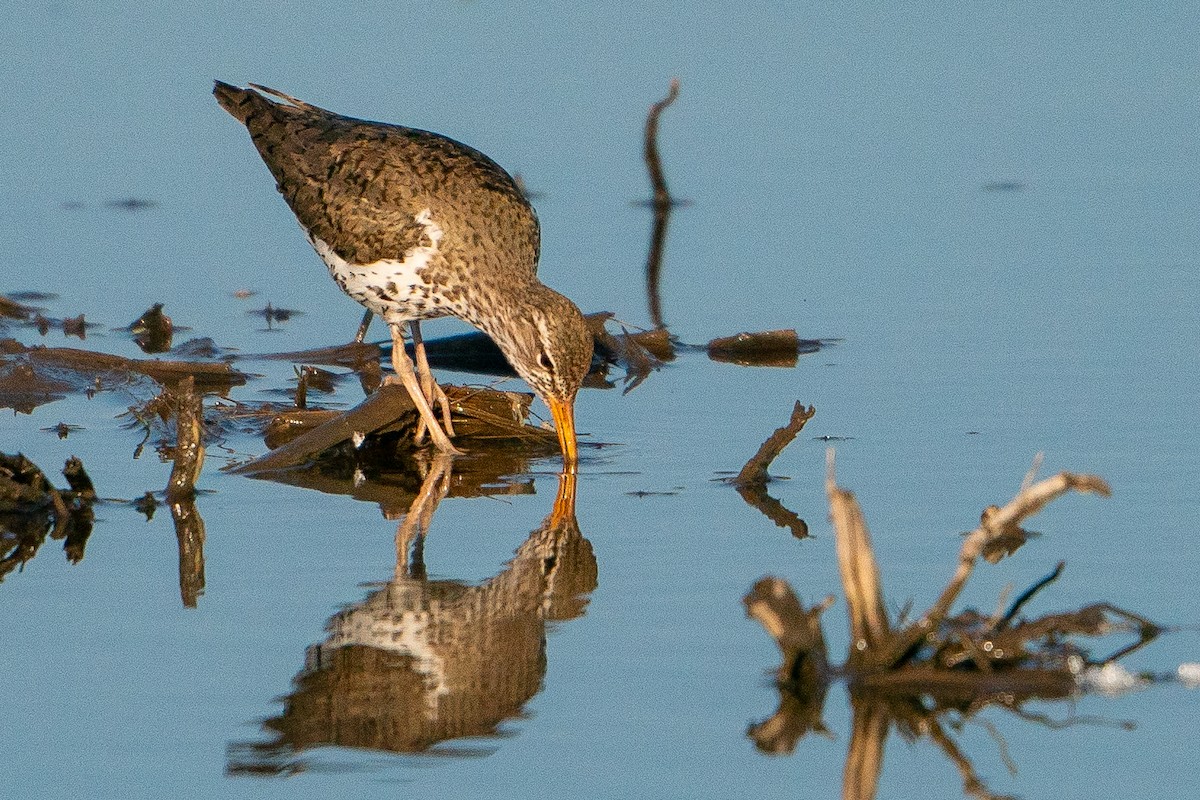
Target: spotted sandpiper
<point>414,225</point>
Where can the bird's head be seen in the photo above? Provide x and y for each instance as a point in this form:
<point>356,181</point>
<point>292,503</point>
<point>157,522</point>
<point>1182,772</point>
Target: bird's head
<point>549,345</point>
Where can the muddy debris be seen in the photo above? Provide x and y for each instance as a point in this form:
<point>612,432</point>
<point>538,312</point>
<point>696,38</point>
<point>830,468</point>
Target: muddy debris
<point>32,509</point>
<point>216,378</point>
<point>11,309</point>
<point>914,673</point>
<point>781,348</point>
<point>152,331</point>
<point>24,387</point>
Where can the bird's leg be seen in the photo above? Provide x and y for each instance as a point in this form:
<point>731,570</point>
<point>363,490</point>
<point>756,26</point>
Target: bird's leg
<point>433,391</point>
<point>362,327</point>
<point>408,378</point>
<point>412,530</point>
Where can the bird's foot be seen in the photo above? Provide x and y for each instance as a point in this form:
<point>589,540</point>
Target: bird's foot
<point>426,421</point>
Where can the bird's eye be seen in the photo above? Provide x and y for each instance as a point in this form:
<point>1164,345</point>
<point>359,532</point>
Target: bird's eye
<point>544,361</point>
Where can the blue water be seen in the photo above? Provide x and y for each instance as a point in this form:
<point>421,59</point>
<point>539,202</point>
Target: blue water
<point>993,208</point>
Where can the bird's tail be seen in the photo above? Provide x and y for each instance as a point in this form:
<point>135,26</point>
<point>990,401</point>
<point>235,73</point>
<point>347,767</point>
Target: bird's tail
<point>243,103</point>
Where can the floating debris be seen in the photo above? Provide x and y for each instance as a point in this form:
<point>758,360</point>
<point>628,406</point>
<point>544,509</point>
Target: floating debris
<point>147,504</point>
<point>11,309</point>
<point>31,509</point>
<point>62,429</point>
<point>273,315</point>
<point>210,377</point>
<point>152,331</point>
<point>75,326</point>
<point>23,387</point>
<point>767,349</point>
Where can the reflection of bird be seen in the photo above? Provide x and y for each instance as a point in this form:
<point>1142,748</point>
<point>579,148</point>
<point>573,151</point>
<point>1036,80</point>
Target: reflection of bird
<point>422,661</point>
<point>415,226</point>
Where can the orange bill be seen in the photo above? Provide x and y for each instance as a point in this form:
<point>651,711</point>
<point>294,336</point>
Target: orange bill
<point>563,412</point>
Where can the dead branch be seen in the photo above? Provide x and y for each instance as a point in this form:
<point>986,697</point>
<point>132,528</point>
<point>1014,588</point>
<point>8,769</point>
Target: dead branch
<point>653,163</point>
<point>795,629</point>
<point>1003,522</point>
<point>869,628</point>
<point>864,756</point>
<point>1027,595</point>
<point>189,445</point>
<point>755,470</point>
<point>755,494</point>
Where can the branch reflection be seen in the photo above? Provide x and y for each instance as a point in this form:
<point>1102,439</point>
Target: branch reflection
<point>419,661</point>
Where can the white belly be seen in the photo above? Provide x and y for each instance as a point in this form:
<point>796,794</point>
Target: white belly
<point>395,289</point>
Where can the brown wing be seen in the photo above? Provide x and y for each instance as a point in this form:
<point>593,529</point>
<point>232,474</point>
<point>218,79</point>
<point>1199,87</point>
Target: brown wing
<point>359,185</point>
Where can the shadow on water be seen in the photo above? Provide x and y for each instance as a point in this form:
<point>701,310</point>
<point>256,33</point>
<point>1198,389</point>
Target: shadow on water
<point>419,662</point>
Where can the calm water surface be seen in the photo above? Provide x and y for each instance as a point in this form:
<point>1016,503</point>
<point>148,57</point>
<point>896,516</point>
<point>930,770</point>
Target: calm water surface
<point>994,209</point>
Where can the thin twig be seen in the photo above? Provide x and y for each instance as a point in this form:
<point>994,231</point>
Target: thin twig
<point>662,205</point>
<point>1027,595</point>
<point>662,197</point>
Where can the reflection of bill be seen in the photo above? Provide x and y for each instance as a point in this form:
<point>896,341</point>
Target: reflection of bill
<point>422,661</point>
